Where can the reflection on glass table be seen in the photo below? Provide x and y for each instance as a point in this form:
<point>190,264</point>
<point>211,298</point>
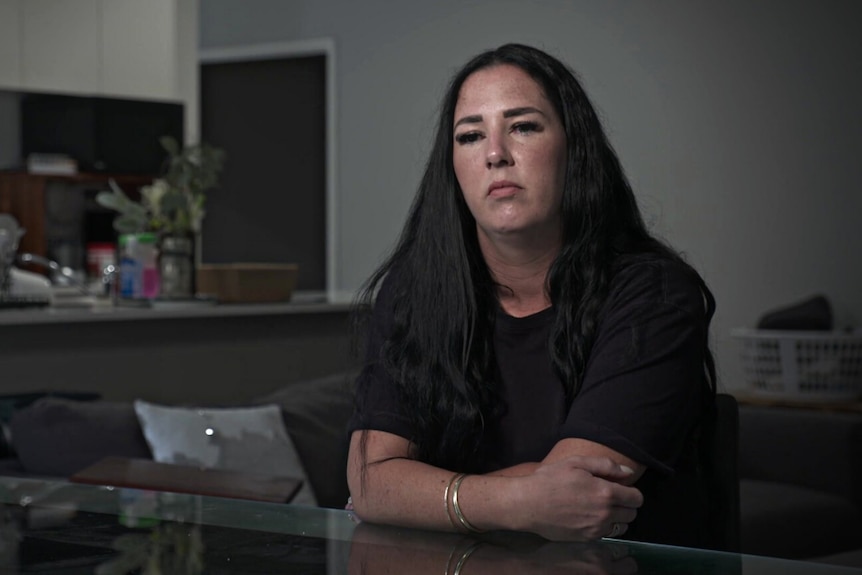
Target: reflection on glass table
<point>59,527</point>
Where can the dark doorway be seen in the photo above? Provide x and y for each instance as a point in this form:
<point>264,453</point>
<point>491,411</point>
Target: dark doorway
<point>269,116</point>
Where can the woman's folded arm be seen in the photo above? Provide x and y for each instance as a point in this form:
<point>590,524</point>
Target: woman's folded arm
<point>569,497</point>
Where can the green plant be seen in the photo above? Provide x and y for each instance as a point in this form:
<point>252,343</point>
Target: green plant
<point>173,203</point>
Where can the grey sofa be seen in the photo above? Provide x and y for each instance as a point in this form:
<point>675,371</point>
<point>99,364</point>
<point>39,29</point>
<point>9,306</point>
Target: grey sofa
<point>800,483</point>
<point>55,437</point>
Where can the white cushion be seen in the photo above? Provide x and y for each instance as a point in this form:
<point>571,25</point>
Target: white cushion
<point>249,439</point>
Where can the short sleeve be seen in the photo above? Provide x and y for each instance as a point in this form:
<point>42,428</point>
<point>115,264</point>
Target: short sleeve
<point>377,404</point>
<point>644,385</point>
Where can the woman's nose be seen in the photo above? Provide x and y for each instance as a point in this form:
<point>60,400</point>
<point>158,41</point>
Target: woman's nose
<point>498,153</point>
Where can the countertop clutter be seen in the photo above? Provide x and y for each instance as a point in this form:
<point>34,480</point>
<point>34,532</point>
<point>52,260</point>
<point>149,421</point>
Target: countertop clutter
<point>247,289</point>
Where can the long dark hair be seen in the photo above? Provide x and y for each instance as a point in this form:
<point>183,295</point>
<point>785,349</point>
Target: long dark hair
<point>438,350</point>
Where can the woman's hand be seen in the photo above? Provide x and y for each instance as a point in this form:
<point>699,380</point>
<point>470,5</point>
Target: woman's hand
<point>578,498</point>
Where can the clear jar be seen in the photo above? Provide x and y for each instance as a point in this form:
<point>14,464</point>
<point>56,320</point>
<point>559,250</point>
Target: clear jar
<point>177,267</point>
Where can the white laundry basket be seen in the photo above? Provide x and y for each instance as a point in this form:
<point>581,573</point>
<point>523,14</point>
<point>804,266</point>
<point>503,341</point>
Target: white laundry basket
<point>802,365</point>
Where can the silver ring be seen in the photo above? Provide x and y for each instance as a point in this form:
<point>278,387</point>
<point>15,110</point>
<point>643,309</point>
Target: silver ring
<point>616,529</point>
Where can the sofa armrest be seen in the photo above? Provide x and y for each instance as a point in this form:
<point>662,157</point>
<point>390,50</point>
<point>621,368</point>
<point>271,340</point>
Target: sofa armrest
<point>810,448</point>
<point>58,437</point>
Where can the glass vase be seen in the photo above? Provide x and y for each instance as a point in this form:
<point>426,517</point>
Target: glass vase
<point>177,267</point>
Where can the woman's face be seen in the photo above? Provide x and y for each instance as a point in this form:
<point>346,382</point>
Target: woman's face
<point>509,154</point>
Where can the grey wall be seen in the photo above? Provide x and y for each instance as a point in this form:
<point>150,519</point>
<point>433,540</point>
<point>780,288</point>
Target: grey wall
<point>739,124</point>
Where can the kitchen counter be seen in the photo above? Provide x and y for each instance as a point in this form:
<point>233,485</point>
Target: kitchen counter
<point>104,312</point>
<point>173,354</point>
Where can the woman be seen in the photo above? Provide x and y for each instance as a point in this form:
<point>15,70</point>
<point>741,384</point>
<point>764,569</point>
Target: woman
<point>535,360</point>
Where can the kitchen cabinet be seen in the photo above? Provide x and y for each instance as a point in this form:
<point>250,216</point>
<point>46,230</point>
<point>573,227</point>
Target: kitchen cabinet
<point>10,49</point>
<point>139,49</point>
<point>60,45</point>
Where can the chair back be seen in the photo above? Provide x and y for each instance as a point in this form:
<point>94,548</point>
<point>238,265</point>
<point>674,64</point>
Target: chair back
<point>720,452</point>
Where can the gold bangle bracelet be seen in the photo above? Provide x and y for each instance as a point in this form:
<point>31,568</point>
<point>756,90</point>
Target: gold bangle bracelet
<point>464,558</point>
<point>458,513</point>
<point>449,560</point>
<point>446,499</point>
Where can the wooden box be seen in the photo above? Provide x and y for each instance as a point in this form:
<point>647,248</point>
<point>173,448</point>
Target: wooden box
<point>247,282</point>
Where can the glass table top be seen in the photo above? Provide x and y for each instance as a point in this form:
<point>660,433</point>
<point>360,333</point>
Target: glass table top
<point>68,528</point>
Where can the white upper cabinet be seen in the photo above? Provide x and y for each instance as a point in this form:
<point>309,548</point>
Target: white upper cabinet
<point>60,48</point>
<point>139,48</point>
<point>10,50</point>
<point>121,48</point>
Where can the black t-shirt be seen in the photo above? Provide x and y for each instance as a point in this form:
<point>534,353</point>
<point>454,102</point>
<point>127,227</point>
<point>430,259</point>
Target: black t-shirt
<point>644,393</point>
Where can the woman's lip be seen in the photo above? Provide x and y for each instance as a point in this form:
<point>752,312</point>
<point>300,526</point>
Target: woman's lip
<point>503,189</point>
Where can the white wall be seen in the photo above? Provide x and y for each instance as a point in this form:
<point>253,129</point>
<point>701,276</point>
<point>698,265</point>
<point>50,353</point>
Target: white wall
<point>738,123</point>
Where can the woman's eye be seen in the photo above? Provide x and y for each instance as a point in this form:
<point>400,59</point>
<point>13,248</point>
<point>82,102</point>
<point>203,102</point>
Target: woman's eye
<point>526,127</point>
<point>467,138</point>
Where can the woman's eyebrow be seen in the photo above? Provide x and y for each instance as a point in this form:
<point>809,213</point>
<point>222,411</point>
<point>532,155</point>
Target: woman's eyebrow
<point>469,120</point>
<point>510,113</point>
